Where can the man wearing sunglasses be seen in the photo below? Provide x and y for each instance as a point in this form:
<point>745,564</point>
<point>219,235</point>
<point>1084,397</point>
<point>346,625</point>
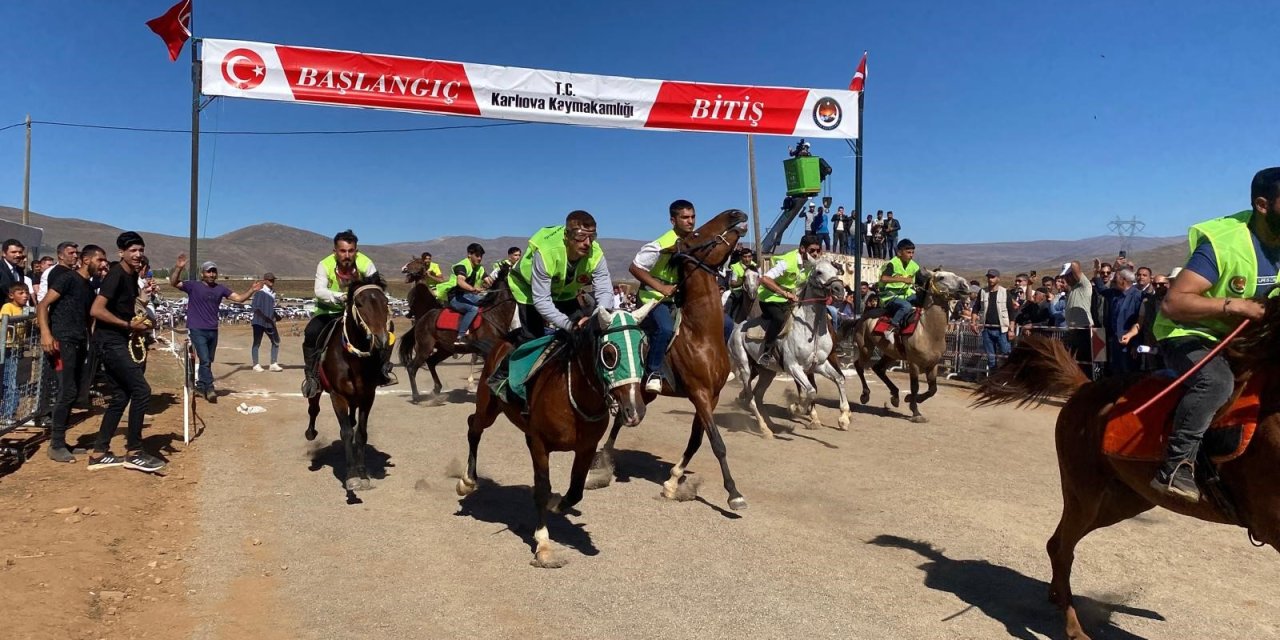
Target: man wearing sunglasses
<point>777,290</point>
<point>652,267</point>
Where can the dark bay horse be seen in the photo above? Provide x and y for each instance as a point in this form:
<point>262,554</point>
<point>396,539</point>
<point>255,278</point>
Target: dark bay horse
<point>420,297</point>
<point>1099,491</point>
<point>698,356</point>
<point>350,370</point>
<point>429,345</point>
<point>570,401</point>
<point>921,351</point>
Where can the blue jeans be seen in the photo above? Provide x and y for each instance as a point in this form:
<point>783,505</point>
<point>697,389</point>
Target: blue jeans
<point>991,340</point>
<point>273,335</point>
<point>660,323</point>
<point>899,309</point>
<point>728,327</point>
<point>205,342</point>
<point>468,305</point>
<point>10,407</point>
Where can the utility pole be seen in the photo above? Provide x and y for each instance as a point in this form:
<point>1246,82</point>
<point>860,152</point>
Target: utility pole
<point>195,153</point>
<point>26,179</point>
<point>755,200</point>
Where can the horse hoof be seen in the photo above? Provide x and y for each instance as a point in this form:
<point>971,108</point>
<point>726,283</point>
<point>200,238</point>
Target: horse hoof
<point>895,401</point>
<point>738,504</point>
<point>310,434</point>
<point>919,419</point>
<point>547,560</point>
<point>843,423</point>
<point>865,397</point>
<point>465,488</point>
<point>357,484</point>
<point>598,479</point>
<point>813,424</point>
<point>766,433</point>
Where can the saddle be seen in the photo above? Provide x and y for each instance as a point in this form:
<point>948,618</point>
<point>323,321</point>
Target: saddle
<point>448,320</point>
<point>524,362</point>
<point>885,322</point>
<point>1145,439</point>
<point>756,330</point>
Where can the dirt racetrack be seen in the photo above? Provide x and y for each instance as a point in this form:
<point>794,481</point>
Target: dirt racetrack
<point>889,530</point>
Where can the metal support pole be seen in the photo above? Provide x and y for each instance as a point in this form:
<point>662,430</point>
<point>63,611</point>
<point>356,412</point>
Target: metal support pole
<point>755,196</point>
<point>857,204</point>
<point>195,154</point>
<point>26,180</point>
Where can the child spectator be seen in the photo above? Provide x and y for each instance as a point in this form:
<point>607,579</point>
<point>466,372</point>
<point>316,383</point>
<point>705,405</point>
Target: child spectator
<point>19,295</point>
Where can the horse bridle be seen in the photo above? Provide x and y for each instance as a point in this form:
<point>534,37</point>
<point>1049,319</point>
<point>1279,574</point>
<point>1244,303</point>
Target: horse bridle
<point>687,254</point>
<point>351,312</point>
<point>610,404</point>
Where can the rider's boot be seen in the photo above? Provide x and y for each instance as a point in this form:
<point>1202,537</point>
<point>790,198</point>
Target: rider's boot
<point>310,384</point>
<point>498,379</point>
<point>388,370</point>
<point>1177,478</point>
<point>768,354</point>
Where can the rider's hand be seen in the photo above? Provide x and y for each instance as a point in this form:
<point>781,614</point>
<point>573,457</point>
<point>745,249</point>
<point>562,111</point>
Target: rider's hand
<point>667,290</point>
<point>791,296</point>
<point>1246,308</point>
<point>582,322</point>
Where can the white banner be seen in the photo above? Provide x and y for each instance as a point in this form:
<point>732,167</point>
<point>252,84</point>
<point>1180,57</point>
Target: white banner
<point>264,71</point>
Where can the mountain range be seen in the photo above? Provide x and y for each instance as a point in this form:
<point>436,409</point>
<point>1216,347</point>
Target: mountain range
<point>290,252</point>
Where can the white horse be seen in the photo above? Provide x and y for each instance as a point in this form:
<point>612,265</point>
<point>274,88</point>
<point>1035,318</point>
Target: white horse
<point>804,351</point>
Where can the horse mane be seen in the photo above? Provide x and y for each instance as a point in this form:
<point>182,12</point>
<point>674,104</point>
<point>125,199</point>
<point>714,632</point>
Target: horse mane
<point>1038,367</point>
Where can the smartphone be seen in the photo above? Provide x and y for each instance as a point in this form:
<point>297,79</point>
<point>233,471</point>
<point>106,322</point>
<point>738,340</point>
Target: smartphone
<point>1124,254</point>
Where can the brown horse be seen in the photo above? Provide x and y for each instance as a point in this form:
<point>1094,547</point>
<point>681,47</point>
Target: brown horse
<point>350,370</point>
<point>698,357</point>
<point>570,401</point>
<point>922,350</point>
<point>421,298</point>
<point>1099,491</point>
<point>427,344</point>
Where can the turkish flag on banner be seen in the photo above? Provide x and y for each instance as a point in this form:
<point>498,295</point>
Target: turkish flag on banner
<point>860,76</point>
<point>174,27</point>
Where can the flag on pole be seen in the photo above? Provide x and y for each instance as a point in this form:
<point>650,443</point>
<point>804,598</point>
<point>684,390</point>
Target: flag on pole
<point>860,76</point>
<point>174,27</point>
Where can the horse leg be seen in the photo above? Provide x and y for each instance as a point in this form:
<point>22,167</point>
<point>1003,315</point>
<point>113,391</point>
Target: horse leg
<point>487,409</point>
<point>806,407</point>
<point>1103,506</point>
<point>602,466</point>
<point>757,401</point>
<point>577,478</point>
<point>346,427</point>
<point>411,370</point>
<point>434,359</point>
<point>362,440</point>
<point>704,419</point>
<point>543,554</point>
<point>916,416</point>
<point>471,373</point>
<point>862,375</point>
<point>313,410</point>
<point>837,376</point>
<point>880,368</point>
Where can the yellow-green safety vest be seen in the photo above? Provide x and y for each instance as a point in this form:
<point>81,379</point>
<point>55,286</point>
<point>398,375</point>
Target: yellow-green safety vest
<point>330,264</point>
<point>663,271</point>
<point>445,288</point>
<point>549,243</point>
<point>1237,275</point>
<point>789,281</point>
<point>891,290</point>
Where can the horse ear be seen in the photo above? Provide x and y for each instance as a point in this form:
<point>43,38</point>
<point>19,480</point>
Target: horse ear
<point>938,269</point>
<point>604,316</point>
<point>639,314</point>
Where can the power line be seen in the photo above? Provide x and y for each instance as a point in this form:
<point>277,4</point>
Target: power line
<point>78,125</point>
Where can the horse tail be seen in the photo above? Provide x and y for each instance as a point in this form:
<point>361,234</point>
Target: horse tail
<point>407,343</point>
<point>1038,367</point>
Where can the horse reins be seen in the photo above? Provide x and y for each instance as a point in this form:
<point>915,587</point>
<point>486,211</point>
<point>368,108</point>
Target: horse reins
<point>364,326</point>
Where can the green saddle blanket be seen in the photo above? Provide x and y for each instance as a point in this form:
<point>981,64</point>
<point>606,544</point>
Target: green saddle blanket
<point>524,361</point>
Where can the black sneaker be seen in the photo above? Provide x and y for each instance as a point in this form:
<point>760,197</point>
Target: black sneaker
<point>105,461</point>
<point>1180,484</point>
<point>142,461</point>
<point>211,396</point>
<point>59,453</point>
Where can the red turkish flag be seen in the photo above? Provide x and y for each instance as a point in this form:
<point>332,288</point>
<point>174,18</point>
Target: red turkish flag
<point>859,77</point>
<point>174,27</point>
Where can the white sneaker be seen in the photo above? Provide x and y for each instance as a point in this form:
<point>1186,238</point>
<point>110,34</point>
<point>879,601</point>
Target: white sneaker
<point>258,368</point>
<point>275,367</point>
<point>654,384</point>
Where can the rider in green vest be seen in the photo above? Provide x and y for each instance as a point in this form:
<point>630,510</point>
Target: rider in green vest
<point>897,281</point>
<point>509,263</point>
<point>333,275</point>
<point>652,267</point>
<point>466,288</point>
<point>737,278</point>
<point>778,287</point>
<point>1232,266</point>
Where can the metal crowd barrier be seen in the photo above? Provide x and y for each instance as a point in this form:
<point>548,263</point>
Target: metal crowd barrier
<point>22,364</point>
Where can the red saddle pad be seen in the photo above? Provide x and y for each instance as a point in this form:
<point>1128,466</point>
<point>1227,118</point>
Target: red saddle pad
<point>1147,437</point>
<point>448,320</point>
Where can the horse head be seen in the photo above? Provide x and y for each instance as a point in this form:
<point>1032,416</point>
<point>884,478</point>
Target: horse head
<point>942,285</point>
<point>367,306</point>
<point>414,271</point>
<point>619,347</point>
<point>711,245</point>
<point>824,281</point>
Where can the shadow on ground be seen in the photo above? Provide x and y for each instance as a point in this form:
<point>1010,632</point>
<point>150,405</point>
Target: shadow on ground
<point>1018,602</point>
<point>513,508</point>
<point>335,457</point>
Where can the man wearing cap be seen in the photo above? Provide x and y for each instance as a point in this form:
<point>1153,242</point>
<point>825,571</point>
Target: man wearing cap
<point>995,307</point>
<point>896,281</point>
<point>264,322</point>
<point>1232,267</point>
<point>203,298</point>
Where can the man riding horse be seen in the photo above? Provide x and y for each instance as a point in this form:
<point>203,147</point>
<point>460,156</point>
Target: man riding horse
<point>334,274</point>
<point>560,262</point>
<point>777,290</point>
<point>464,288</point>
<point>737,278</point>
<point>657,275</point>
<point>897,282</point>
<point>1234,261</point>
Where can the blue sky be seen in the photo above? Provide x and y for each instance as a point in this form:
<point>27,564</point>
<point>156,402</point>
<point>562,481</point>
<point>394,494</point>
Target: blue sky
<point>985,121</point>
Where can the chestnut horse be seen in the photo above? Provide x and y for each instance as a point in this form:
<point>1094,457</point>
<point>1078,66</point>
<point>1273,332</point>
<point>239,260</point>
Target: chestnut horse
<point>429,345</point>
<point>1099,491</point>
<point>698,356</point>
<point>570,400</point>
<point>350,370</point>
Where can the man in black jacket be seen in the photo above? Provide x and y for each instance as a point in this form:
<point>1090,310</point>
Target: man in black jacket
<point>10,270</point>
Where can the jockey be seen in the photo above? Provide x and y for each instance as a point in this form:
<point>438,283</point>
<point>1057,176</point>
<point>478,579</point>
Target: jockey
<point>333,275</point>
<point>560,261</point>
<point>778,286</point>
<point>509,263</point>
<point>464,288</point>
<point>896,281</point>
<point>737,278</point>
<point>652,267</point>
<point>434,276</point>
<point>1233,263</point>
